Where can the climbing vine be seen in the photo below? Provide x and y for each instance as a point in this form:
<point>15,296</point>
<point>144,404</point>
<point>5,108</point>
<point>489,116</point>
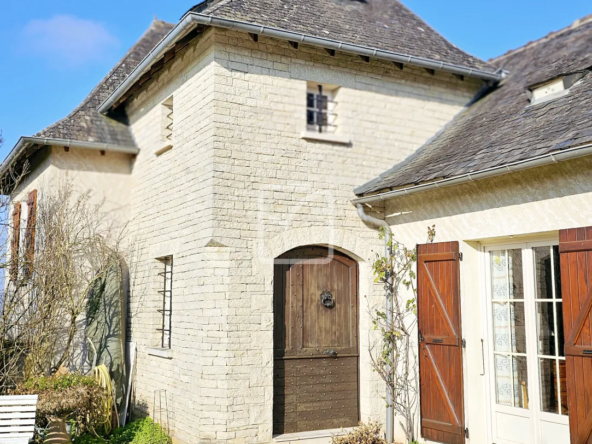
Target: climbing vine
<point>393,353</point>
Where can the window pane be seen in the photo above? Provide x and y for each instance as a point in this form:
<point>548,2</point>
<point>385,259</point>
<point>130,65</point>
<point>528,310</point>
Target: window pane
<point>310,100</point>
<point>516,278</point>
<point>506,274</point>
<point>503,379</point>
<point>321,118</point>
<point>310,117</point>
<point>511,380</point>
<point>543,274</point>
<point>560,337</point>
<point>563,387</point>
<point>323,102</point>
<point>546,328</point>
<point>557,275</point>
<point>520,382</point>
<point>501,330</point>
<point>518,327</point>
<point>549,395</point>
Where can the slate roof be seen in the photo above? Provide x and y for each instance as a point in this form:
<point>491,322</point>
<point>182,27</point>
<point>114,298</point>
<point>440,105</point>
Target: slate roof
<point>85,123</point>
<point>380,24</point>
<point>502,127</point>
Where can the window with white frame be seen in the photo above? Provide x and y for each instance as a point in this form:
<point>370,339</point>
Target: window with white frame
<point>527,328</point>
<point>321,108</point>
<point>166,291</point>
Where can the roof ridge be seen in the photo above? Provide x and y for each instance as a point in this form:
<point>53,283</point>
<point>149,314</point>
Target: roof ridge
<point>551,35</point>
<point>485,62</point>
<point>102,82</point>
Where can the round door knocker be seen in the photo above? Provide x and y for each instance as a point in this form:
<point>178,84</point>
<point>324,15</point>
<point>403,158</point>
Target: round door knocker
<point>327,299</point>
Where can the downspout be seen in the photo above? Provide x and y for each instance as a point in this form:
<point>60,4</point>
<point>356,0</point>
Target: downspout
<point>390,416</point>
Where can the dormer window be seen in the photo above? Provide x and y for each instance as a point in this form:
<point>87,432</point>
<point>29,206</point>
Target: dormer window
<point>553,89</point>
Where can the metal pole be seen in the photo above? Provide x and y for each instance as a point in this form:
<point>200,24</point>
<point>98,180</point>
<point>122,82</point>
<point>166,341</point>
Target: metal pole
<point>390,419</point>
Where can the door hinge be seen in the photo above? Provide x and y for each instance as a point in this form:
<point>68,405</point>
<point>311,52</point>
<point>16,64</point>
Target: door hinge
<point>467,433</point>
<point>464,343</point>
<point>460,256</point>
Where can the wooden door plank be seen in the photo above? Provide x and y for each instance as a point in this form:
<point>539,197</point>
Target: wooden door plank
<point>441,383</point>
<point>310,390</point>
<point>575,246</point>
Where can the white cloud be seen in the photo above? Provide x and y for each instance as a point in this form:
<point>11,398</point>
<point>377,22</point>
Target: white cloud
<point>69,40</point>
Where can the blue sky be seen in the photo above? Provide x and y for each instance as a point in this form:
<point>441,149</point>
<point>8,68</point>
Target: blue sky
<point>54,52</point>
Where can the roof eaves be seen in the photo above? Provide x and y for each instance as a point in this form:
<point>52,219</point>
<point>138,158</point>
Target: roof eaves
<point>536,161</point>
<point>26,142</point>
<point>192,19</point>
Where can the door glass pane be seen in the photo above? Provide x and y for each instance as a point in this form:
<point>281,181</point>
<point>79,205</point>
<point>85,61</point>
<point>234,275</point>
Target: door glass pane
<point>518,327</point>
<point>546,328</point>
<point>543,274</point>
<point>557,272</point>
<point>503,379</point>
<point>506,274</point>
<point>520,373</point>
<point>563,387</point>
<point>516,285</point>
<point>501,330</point>
<point>549,395</point>
<point>560,336</point>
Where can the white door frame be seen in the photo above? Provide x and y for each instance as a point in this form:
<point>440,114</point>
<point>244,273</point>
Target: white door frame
<point>534,411</point>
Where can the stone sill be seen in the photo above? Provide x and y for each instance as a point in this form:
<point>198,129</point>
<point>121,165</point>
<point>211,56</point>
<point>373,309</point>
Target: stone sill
<point>325,137</point>
<point>165,353</point>
<point>166,146</point>
<point>315,434</point>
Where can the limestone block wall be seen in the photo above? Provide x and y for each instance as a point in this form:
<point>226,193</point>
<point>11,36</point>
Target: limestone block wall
<point>241,186</point>
<point>105,177</point>
<point>172,215</point>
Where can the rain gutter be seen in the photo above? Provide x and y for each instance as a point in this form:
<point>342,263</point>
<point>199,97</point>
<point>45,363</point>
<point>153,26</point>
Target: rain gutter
<point>192,19</point>
<point>544,159</point>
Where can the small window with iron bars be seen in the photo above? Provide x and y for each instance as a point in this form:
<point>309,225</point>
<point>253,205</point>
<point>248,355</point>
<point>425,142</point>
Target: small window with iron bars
<point>166,274</point>
<point>320,115</point>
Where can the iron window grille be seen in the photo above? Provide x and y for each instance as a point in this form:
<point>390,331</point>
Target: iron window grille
<point>169,114</point>
<point>318,111</point>
<point>167,301</point>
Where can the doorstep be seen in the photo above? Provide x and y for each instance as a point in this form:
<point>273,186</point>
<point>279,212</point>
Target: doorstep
<point>313,437</point>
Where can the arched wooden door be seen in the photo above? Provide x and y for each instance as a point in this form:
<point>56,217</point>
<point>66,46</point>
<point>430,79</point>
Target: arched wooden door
<point>315,341</point>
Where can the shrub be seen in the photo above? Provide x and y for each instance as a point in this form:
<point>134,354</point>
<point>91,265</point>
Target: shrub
<point>142,431</point>
<point>363,434</point>
<point>90,439</point>
<point>71,396</point>
<point>58,383</point>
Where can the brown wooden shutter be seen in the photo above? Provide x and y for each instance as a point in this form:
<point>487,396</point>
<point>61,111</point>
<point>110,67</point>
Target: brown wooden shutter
<point>30,234</point>
<point>575,248</point>
<point>16,235</point>
<point>440,347</point>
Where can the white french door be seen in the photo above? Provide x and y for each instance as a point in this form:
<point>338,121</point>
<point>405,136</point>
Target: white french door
<point>526,361</point>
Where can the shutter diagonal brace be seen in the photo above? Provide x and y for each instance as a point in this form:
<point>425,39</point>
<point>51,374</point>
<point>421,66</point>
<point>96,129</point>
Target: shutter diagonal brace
<point>576,332</point>
<point>440,305</point>
<point>443,390</point>
<point>586,431</point>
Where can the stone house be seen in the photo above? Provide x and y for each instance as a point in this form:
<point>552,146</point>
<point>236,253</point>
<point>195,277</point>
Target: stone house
<point>507,184</point>
<point>231,143</point>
